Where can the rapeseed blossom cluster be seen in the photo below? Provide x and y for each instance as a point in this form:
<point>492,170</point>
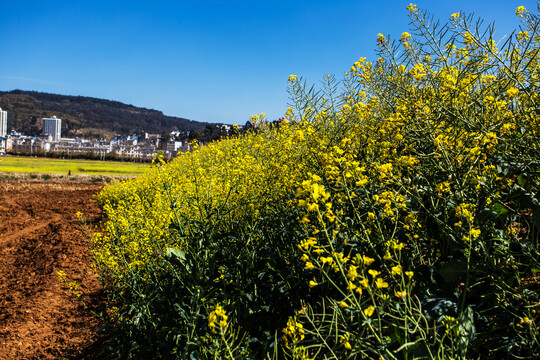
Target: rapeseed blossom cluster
<point>396,219</point>
<point>217,318</point>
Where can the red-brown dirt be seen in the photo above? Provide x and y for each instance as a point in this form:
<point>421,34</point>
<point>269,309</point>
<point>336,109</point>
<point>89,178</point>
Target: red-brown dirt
<point>40,235</point>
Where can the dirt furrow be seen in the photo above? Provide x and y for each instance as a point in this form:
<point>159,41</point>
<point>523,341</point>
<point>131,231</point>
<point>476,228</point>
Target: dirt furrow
<point>40,235</point>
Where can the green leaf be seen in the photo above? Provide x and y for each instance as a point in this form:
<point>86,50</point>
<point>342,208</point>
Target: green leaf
<point>453,270</point>
<point>500,209</point>
<point>522,180</point>
<point>535,218</point>
<point>176,254</point>
<point>487,215</point>
<point>435,309</point>
<point>466,329</point>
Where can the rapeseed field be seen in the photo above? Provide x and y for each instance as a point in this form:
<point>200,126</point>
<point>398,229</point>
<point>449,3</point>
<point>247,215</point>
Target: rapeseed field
<point>35,165</point>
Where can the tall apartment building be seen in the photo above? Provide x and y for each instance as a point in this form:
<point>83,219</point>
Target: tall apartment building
<point>3,123</point>
<point>53,127</point>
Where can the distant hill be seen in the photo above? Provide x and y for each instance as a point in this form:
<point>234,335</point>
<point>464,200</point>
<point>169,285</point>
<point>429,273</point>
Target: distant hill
<point>86,116</point>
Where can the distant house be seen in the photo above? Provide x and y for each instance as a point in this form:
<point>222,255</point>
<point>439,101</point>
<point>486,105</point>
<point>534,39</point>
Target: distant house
<point>3,144</point>
<point>175,146</point>
<point>26,145</point>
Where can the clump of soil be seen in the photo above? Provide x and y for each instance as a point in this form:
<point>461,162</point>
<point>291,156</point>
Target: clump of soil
<point>40,235</point>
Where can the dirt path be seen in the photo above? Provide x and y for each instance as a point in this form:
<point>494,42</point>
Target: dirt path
<point>40,235</point>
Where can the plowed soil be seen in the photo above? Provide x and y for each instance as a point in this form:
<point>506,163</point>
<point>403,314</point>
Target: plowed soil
<point>40,235</point>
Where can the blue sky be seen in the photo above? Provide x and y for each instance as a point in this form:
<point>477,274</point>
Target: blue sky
<point>215,61</point>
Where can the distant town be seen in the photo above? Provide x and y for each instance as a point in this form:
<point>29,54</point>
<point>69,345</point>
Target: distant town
<point>136,147</point>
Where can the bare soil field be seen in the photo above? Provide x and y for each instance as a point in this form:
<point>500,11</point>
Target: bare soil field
<point>40,235</point>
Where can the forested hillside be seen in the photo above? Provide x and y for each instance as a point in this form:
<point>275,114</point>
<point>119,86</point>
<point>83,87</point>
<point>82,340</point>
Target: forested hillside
<point>86,116</point>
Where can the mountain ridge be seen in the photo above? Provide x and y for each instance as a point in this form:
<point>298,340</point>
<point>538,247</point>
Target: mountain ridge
<point>85,116</point>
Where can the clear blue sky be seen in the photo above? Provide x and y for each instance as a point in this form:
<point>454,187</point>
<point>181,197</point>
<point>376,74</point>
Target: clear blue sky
<point>215,61</point>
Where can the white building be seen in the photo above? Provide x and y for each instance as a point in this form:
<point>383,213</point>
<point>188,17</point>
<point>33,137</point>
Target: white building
<point>53,127</point>
<point>175,146</point>
<point>3,123</point>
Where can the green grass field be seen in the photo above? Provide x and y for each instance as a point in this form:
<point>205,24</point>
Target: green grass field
<point>30,165</point>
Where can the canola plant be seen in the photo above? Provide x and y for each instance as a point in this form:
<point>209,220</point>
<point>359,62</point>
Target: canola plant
<point>394,214</point>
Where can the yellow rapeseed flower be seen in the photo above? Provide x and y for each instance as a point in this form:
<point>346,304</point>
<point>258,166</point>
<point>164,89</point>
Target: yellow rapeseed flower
<point>364,283</point>
<point>380,283</point>
<point>412,8</point>
<point>475,233</point>
<point>352,273</point>
<point>405,36</point>
<point>401,294</point>
<point>374,273</point>
<point>366,260</point>
<point>520,11</point>
<point>326,260</point>
<point>512,92</point>
<point>396,270</point>
<point>369,310</point>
